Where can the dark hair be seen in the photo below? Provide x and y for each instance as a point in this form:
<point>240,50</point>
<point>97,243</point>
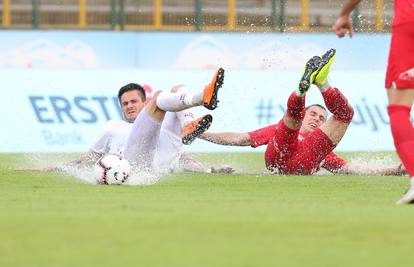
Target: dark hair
<point>316,105</point>
<point>131,87</point>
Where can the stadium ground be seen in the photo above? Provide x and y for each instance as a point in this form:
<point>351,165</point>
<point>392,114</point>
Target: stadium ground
<point>204,220</point>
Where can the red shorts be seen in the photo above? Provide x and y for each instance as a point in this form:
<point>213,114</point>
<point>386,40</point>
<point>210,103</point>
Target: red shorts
<point>400,70</point>
<point>289,153</point>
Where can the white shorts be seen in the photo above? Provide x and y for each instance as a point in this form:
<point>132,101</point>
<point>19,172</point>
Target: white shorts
<point>142,141</point>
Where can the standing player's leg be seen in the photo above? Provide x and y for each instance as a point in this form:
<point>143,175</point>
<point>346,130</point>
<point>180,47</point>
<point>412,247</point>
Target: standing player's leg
<point>335,101</point>
<point>400,84</point>
<point>399,110</point>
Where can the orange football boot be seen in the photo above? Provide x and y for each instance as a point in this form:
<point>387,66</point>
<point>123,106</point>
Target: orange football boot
<point>195,128</point>
<point>210,91</point>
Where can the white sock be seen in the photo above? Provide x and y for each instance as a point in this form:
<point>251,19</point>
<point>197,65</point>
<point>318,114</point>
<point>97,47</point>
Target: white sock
<point>412,181</point>
<point>178,101</point>
<point>196,99</point>
<point>185,117</point>
<point>324,87</point>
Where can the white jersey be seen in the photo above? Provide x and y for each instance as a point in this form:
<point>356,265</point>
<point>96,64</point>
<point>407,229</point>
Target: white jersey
<point>168,150</point>
<point>114,138</point>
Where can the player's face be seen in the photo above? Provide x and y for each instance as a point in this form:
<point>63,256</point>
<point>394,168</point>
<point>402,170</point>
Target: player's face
<point>131,104</point>
<point>315,116</point>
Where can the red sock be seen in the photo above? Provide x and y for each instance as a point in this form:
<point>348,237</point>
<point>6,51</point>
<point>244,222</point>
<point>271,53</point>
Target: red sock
<point>296,107</point>
<point>338,105</point>
<point>403,133</point>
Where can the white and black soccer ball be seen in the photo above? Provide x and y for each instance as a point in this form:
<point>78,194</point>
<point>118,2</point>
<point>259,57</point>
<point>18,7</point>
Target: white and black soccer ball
<point>112,169</point>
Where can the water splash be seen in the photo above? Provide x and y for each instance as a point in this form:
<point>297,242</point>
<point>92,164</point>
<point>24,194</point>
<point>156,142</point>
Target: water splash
<point>359,162</point>
<point>37,162</point>
<point>88,175</point>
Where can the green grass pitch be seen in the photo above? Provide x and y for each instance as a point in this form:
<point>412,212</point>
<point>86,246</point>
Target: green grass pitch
<point>204,220</point>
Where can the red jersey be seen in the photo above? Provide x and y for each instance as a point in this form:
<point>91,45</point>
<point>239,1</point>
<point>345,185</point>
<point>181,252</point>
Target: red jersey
<point>403,12</point>
<point>291,152</point>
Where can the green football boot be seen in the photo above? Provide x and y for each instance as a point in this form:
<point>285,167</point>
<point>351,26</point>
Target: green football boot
<point>325,65</point>
<point>311,70</point>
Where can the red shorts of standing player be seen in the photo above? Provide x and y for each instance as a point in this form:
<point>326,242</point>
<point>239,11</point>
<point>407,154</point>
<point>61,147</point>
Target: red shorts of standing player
<point>400,70</point>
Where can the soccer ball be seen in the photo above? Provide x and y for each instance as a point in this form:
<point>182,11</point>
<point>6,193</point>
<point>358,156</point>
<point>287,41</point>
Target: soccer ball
<point>112,169</point>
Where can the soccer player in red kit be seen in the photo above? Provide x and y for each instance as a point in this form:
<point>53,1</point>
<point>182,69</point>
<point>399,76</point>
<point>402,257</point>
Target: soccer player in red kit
<point>303,140</point>
<point>399,80</point>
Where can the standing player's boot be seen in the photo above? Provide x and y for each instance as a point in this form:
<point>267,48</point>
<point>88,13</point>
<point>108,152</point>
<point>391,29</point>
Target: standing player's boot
<point>408,197</point>
<point>321,77</point>
<point>195,128</point>
<point>210,91</point>
<point>309,74</point>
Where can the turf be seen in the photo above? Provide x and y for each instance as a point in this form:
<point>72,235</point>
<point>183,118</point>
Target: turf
<point>204,220</point>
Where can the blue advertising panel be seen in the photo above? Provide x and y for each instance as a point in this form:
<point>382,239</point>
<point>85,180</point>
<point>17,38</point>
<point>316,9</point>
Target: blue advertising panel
<point>64,110</point>
<point>59,88</point>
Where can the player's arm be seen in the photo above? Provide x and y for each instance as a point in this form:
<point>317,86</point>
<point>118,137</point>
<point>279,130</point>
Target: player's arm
<point>85,160</point>
<point>343,24</point>
<point>227,138</point>
<point>338,165</point>
<point>358,170</point>
<point>190,164</point>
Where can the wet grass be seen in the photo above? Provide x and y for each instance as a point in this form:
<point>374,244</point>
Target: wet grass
<point>243,219</point>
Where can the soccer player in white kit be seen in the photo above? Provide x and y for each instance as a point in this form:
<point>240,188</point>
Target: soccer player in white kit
<point>152,134</point>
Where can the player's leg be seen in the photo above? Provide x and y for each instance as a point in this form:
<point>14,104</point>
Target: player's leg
<point>283,145</point>
<point>142,141</point>
<point>318,144</point>
<point>281,148</point>
<point>335,101</point>
<point>295,111</point>
<point>168,101</point>
<point>399,110</point>
<point>175,121</point>
<point>169,145</point>
<point>342,111</point>
<point>400,84</point>
<point>141,145</point>
<point>185,124</point>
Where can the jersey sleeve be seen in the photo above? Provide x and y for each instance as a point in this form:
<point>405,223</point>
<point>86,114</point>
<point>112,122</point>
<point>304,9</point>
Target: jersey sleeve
<point>102,145</point>
<point>262,136</point>
<point>333,162</point>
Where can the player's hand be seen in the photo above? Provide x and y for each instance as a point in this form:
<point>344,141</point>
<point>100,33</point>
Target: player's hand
<point>224,169</point>
<point>342,26</point>
<point>401,170</point>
